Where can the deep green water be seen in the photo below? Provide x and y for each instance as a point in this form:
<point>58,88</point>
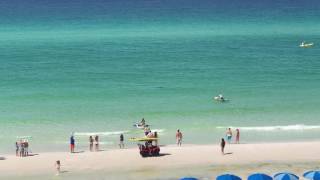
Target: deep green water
<point>99,67</point>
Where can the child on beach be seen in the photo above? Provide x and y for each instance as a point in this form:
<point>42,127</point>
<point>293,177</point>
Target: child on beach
<point>57,165</point>
<point>222,144</point>
<point>179,137</point>
<point>121,144</point>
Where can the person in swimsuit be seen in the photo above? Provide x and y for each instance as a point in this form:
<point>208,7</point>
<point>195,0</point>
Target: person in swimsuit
<point>72,144</point>
<point>238,136</point>
<point>229,135</point>
<point>91,143</point>
<point>121,144</point>
<point>179,137</point>
<point>142,122</point>
<point>17,148</point>
<point>96,139</point>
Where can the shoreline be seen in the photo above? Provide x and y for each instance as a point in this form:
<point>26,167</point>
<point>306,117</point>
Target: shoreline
<point>172,157</point>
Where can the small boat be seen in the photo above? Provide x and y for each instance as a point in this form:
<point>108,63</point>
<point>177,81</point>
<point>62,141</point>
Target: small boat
<point>306,45</point>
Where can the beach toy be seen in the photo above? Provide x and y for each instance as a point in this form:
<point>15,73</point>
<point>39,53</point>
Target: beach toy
<point>312,175</point>
<point>188,178</point>
<point>259,176</point>
<point>228,177</point>
<point>285,176</point>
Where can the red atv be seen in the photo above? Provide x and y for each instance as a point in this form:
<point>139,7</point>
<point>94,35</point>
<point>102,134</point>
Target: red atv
<point>149,150</point>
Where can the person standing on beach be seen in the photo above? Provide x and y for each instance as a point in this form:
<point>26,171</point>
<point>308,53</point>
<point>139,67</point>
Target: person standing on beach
<point>179,137</point>
<point>72,144</point>
<point>91,143</point>
<point>237,136</point>
<point>17,148</point>
<point>156,140</point>
<point>96,139</point>
<point>21,148</point>
<point>121,144</point>
<point>222,144</point>
<point>229,135</point>
<point>26,146</point>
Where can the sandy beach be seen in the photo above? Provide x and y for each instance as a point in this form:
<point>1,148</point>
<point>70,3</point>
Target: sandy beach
<point>206,160</point>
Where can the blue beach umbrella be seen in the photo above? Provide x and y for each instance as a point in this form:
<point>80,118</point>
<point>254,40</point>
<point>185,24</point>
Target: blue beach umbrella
<point>312,175</point>
<point>228,177</point>
<point>285,176</point>
<point>188,178</point>
<point>259,176</point>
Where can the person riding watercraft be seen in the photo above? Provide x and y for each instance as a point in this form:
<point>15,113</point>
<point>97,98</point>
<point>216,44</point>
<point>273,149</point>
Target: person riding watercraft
<point>219,98</point>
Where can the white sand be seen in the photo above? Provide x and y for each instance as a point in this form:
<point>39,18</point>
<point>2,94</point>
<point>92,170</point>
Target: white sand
<point>173,157</point>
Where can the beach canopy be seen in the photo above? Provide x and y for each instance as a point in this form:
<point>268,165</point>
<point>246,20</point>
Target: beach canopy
<point>188,178</point>
<point>228,177</point>
<point>285,176</point>
<point>312,175</point>
<point>259,176</point>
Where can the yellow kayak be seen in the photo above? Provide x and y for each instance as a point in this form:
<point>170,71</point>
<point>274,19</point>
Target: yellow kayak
<point>143,139</point>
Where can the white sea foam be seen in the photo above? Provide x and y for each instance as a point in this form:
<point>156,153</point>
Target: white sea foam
<point>107,133</point>
<point>158,130</point>
<point>24,137</point>
<point>296,127</point>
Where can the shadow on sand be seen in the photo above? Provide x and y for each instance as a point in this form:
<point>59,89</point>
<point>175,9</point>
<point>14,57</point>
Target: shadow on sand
<point>228,153</point>
<point>2,158</point>
<point>76,152</point>
<point>163,154</point>
<point>31,154</point>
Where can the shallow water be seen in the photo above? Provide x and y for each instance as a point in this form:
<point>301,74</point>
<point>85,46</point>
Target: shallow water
<point>99,67</point>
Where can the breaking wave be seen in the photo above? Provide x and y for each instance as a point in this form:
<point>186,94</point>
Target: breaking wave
<point>296,127</point>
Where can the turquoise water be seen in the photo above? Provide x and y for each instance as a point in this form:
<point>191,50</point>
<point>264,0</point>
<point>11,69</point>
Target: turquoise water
<point>99,67</point>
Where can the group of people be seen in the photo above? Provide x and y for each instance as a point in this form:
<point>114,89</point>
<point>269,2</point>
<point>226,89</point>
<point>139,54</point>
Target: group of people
<point>229,139</point>
<point>94,142</point>
<point>229,136</point>
<point>22,148</point>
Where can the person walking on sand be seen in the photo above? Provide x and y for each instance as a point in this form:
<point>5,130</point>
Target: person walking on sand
<point>222,144</point>
<point>72,144</point>
<point>96,139</point>
<point>179,137</point>
<point>91,143</point>
<point>237,136</point>
<point>58,165</point>
<point>229,135</point>
<point>121,144</point>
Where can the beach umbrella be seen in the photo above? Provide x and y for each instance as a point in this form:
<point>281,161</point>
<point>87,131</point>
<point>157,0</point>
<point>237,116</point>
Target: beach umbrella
<point>228,177</point>
<point>188,178</point>
<point>312,175</point>
<point>285,176</point>
<point>259,176</point>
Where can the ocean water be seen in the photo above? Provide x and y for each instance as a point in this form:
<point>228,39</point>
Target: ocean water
<point>97,67</point>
